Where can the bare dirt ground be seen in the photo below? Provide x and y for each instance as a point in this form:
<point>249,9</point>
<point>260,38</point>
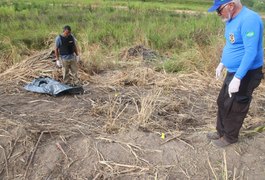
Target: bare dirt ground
<point>113,130</point>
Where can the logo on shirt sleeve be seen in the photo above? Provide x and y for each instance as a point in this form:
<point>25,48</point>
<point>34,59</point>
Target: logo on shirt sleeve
<point>250,34</point>
<point>232,38</point>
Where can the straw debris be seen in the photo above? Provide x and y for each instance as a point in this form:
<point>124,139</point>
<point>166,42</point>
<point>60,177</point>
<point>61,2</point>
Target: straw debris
<point>114,129</point>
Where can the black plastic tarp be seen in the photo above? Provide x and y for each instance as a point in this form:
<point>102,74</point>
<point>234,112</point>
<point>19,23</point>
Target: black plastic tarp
<point>47,85</point>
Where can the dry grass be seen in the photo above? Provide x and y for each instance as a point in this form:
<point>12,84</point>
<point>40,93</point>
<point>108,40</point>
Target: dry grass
<point>175,104</point>
<point>147,107</point>
<point>36,66</point>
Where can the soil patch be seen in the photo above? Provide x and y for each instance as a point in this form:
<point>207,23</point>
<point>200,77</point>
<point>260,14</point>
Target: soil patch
<point>114,130</point>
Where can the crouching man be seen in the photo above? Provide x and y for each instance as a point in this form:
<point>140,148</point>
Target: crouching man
<point>67,56</point>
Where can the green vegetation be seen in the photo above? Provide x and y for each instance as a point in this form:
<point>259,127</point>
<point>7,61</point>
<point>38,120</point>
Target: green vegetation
<point>258,5</point>
<point>32,25</point>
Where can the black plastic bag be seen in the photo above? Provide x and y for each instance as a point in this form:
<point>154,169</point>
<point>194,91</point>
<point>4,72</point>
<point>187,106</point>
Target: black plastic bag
<point>47,85</point>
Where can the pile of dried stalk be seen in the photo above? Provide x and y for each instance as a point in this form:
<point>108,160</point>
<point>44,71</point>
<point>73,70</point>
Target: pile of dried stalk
<point>35,66</point>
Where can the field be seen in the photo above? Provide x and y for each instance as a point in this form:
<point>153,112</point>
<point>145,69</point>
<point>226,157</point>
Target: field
<point>150,93</point>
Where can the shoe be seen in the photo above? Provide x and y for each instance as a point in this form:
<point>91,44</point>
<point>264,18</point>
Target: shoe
<point>213,135</point>
<point>221,142</point>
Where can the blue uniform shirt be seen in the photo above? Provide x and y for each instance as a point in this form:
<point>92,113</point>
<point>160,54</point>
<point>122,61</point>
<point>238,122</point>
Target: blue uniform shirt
<point>244,43</point>
<point>58,43</point>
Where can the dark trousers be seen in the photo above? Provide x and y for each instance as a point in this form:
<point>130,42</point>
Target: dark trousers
<point>232,111</point>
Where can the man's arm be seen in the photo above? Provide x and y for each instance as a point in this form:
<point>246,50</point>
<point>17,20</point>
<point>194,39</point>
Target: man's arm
<point>56,53</point>
<point>251,35</point>
<point>76,47</point>
<point>57,44</point>
<point>76,51</point>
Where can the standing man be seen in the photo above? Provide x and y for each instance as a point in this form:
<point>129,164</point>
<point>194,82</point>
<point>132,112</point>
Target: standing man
<point>243,58</point>
<point>67,55</point>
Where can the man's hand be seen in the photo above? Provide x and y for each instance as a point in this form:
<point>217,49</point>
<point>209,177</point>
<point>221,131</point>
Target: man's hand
<point>233,86</point>
<point>78,58</point>
<point>58,63</point>
<point>218,71</point>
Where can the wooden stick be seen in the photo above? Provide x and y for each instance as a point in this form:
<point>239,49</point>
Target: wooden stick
<point>225,166</point>
<point>61,149</point>
<point>32,155</point>
<point>173,138</point>
<point>185,143</point>
<point>96,177</point>
<point>12,150</point>
<point>5,161</point>
<point>208,159</point>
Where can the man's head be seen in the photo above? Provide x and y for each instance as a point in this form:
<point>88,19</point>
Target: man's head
<point>66,30</point>
<point>226,9</point>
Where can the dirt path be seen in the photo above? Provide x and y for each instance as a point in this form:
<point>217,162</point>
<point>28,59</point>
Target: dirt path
<point>177,11</point>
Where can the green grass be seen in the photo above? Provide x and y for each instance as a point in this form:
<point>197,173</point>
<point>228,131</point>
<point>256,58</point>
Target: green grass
<point>198,5</point>
<point>27,25</point>
<point>31,25</point>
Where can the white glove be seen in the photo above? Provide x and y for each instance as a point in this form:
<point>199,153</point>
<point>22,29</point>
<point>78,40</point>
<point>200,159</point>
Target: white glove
<point>78,58</point>
<point>218,71</point>
<point>233,86</point>
<point>58,63</point>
